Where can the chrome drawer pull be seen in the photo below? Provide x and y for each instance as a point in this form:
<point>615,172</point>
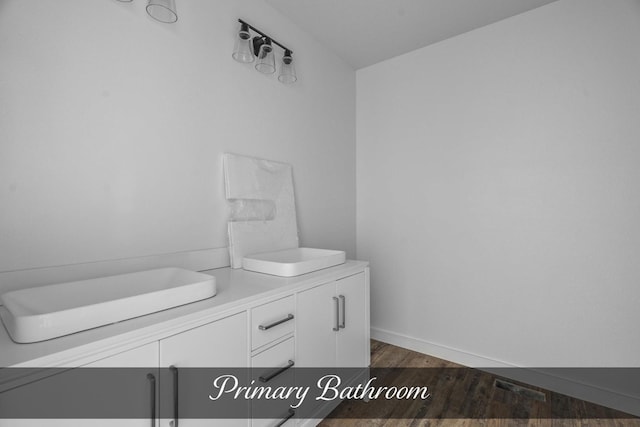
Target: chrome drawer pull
<point>337,327</point>
<point>291,414</point>
<point>152,381</point>
<point>174,370</point>
<point>275,373</point>
<point>344,312</point>
<point>286,319</point>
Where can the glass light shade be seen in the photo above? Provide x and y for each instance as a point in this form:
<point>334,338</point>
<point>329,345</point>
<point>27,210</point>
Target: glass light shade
<point>287,70</point>
<point>266,61</point>
<point>242,51</point>
<point>163,10</point>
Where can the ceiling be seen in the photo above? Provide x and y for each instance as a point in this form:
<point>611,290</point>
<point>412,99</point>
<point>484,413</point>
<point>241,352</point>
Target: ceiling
<point>364,32</point>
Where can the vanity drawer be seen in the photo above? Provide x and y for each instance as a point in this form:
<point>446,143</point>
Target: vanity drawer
<point>272,321</point>
<point>270,368</point>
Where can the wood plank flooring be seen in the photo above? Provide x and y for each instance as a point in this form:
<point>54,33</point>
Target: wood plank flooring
<point>491,406</point>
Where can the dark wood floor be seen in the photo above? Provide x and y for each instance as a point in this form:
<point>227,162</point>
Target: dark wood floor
<point>492,405</point>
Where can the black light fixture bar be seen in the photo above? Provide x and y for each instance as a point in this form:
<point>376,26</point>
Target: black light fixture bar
<point>264,35</point>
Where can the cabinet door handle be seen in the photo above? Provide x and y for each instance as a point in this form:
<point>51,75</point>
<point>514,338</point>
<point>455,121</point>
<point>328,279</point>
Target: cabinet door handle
<point>174,371</point>
<point>284,420</point>
<point>286,319</point>
<point>344,312</point>
<point>337,327</point>
<point>276,372</point>
<point>152,382</point>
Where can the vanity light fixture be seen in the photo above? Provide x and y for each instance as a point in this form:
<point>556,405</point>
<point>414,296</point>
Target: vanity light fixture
<point>261,46</point>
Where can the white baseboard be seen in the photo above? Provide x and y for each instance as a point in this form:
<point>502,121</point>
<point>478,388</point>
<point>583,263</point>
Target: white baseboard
<point>198,260</point>
<point>536,377</point>
<point>447,353</point>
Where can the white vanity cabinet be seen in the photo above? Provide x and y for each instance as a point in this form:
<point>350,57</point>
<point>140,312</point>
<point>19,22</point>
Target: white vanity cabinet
<point>266,323</point>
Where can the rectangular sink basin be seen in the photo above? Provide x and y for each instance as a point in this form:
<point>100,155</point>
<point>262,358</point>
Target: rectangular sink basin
<point>42,313</point>
<point>292,262</point>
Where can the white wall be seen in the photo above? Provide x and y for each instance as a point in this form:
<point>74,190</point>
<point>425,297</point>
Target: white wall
<point>499,189</point>
<point>112,127</point>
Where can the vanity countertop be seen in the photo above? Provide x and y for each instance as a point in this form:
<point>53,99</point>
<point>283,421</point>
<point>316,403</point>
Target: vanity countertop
<point>237,290</point>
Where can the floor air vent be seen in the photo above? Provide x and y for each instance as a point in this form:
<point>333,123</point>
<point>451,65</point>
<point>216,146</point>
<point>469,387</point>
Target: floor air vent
<point>523,391</point>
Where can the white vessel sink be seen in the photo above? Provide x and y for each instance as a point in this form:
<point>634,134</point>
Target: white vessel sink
<point>42,313</point>
<point>293,262</point>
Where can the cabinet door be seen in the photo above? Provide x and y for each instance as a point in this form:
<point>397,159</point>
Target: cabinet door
<point>223,344</point>
<point>353,338</point>
<point>138,391</point>
<point>315,335</point>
